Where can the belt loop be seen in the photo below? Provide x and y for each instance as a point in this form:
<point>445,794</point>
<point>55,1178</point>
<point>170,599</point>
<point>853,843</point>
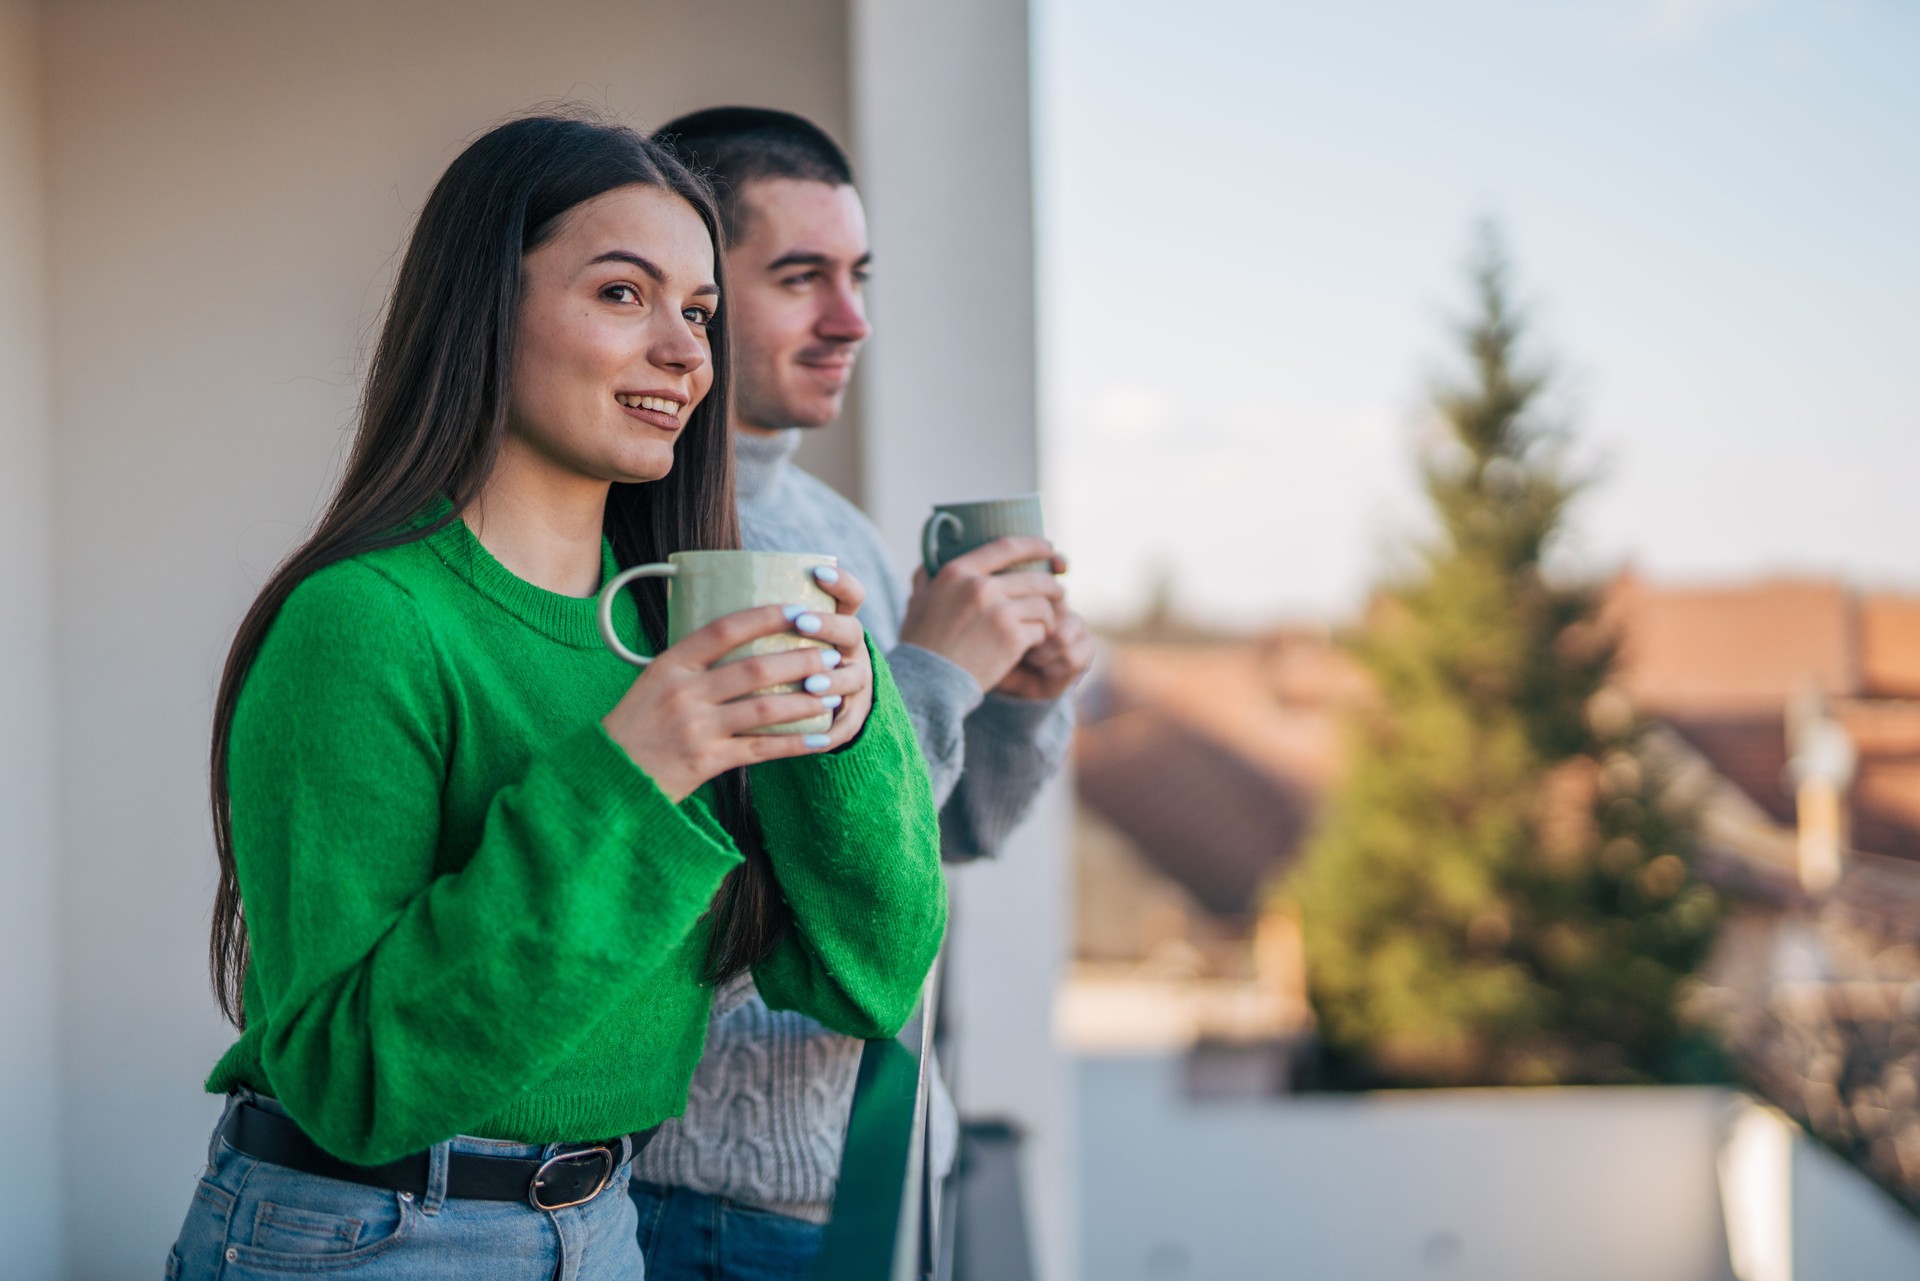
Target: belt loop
<point>234,1100</point>
<point>436,1177</point>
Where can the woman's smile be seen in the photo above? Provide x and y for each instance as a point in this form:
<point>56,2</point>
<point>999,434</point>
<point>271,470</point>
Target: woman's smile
<point>662,409</point>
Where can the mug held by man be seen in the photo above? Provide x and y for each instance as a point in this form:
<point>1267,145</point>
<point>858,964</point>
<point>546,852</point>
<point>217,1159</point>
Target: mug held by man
<point>708,585</point>
<point>955,529</point>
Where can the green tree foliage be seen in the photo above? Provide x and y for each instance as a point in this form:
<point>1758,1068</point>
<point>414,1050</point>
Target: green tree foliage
<point>1498,892</point>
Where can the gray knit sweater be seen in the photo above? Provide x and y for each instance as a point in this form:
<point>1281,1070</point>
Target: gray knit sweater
<point>767,1111</point>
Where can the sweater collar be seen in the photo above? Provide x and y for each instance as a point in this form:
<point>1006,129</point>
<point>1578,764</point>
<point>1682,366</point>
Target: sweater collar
<point>571,620</point>
<point>760,461</point>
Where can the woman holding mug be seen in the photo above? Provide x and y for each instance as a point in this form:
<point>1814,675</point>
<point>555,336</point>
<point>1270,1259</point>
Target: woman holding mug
<point>478,881</point>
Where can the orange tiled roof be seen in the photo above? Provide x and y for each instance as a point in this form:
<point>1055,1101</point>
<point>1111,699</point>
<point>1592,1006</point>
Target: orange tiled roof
<point>1734,649</point>
<point>1890,646</point>
<point>1722,664</point>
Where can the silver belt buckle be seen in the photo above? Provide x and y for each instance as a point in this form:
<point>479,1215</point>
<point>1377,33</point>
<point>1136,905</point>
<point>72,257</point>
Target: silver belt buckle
<point>602,1155</point>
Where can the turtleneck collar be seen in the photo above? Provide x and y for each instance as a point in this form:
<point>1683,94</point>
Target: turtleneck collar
<point>758,461</point>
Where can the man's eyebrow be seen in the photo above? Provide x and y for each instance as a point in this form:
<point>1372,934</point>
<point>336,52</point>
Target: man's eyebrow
<point>811,258</point>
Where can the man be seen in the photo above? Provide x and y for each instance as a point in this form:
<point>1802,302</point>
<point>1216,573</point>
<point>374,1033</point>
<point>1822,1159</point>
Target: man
<point>740,1185</point>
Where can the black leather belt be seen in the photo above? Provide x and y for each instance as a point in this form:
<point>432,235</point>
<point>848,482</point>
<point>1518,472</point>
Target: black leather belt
<point>573,1176</point>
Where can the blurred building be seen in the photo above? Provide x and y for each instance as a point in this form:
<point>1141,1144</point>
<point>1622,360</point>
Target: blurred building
<point>1200,765</point>
<point>1788,712</point>
<point>1794,708</point>
<point>1730,669</point>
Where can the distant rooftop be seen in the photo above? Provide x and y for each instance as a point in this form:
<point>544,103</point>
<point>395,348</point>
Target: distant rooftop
<point>1721,665</point>
<point>1210,752</point>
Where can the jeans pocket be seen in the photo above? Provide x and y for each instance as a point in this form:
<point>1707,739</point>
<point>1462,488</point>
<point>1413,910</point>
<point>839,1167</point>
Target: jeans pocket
<point>288,1222</point>
<point>650,1205</point>
<point>291,1230</point>
<point>196,1253</point>
<point>762,1245</point>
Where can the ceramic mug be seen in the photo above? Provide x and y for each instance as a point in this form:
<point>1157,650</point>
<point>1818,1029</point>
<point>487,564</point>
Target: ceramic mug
<point>955,529</point>
<point>710,585</point>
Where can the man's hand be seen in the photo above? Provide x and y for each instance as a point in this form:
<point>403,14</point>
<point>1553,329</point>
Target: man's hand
<point>1051,668</point>
<point>983,621</point>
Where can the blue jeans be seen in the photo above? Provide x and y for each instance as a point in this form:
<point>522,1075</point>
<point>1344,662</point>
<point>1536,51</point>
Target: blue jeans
<point>252,1219</point>
<point>690,1236</point>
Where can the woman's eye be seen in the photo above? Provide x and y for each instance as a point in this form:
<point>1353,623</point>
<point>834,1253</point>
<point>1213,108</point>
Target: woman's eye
<point>620,293</point>
<point>804,278</point>
<point>698,316</point>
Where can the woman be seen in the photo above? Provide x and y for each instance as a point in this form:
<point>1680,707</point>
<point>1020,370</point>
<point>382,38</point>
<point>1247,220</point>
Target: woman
<point>489,878</point>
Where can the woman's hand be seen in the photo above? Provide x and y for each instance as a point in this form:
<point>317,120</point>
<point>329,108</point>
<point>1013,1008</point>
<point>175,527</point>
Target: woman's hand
<point>681,724</point>
<point>845,633</point>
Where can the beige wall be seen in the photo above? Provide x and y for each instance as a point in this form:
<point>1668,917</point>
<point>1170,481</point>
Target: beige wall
<point>229,183</point>
<point>29,993</point>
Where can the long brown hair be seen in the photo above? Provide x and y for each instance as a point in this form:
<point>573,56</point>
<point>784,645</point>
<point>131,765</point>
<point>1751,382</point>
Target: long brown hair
<point>431,422</point>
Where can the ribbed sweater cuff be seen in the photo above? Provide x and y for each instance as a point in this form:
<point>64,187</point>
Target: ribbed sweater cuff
<point>1017,717</point>
<point>924,676</point>
<point>854,773</point>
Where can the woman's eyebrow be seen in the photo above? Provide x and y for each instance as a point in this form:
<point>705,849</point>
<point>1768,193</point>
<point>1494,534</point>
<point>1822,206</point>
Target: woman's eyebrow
<point>645,265</point>
<point>648,269</point>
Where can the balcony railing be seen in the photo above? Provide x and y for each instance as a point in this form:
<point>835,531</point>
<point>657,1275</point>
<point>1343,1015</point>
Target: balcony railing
<point>894,1219</point>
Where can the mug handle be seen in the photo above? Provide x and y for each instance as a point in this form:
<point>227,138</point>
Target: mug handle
<point>619,580</point>
<point>930,539</point>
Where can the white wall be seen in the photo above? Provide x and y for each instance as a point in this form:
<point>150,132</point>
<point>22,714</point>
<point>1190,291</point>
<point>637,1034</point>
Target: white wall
<point>1843,1226</point>
<point>1493,1185</point>
<point>229,183</point>
<point>29,990</point>
<point>942,94</point>
<point>1797,1212</point>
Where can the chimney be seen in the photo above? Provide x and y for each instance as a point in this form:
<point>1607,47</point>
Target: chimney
<point>1822,769</point>
<point>1280,961</point>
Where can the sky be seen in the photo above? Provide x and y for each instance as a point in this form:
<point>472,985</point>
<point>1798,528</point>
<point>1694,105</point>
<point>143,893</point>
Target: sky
<point>1253,225</point>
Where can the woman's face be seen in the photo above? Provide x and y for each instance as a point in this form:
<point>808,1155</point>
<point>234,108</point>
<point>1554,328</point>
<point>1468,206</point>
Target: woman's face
<point>613,354</point>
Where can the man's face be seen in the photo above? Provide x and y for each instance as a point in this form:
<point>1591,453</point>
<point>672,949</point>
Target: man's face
<point>795,283</point>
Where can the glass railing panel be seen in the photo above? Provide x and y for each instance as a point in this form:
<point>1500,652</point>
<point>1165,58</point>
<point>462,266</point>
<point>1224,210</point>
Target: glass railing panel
<point>885,1225</point>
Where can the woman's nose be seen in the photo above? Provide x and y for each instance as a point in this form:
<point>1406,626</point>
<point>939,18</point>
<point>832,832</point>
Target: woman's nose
<point>678,347</point>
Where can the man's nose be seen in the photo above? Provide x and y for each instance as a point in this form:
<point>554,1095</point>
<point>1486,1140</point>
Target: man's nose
<point>844,316</point>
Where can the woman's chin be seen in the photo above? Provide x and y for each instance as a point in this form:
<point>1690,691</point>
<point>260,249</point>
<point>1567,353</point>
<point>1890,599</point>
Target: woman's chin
<point>642,465</point>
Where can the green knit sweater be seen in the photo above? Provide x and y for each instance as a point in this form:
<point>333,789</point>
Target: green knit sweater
<point>471,913</point>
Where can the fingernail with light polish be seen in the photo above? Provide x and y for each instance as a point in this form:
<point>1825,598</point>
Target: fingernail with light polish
<point>816,684</point>
<point>817,741</point>
<point>827,574</point>
<point>793,611</point>
<point>831,657</point>
<point>807,624</point>
<point>830,702</point>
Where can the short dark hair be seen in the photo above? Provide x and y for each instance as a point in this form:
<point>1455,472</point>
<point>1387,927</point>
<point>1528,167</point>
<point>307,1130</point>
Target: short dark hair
<point>733,146</point>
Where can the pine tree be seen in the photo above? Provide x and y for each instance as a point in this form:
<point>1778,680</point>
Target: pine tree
<point>1499,891</point>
